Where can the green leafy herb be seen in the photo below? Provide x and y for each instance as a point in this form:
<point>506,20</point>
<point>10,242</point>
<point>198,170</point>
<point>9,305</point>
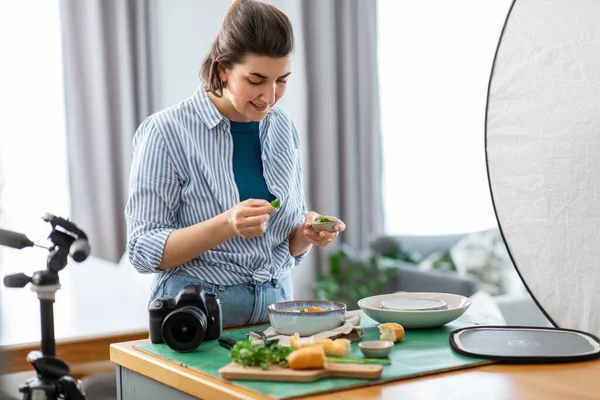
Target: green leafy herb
<point>257,355</point>
<point>276,203</point>
<point>303,309</point>
<point>324,219</point>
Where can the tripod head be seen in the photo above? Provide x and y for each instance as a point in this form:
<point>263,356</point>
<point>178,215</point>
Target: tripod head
<point>67,240</point>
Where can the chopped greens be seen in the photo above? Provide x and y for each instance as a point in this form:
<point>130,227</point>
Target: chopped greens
<point>257,355</point>
<point>303,309</point>
<point>276,203</point>
<point>324,219</point>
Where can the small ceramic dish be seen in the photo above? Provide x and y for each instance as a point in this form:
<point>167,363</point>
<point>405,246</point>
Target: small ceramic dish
<point>376,348</point>
<point>287,318</point>
<point>325,226</point>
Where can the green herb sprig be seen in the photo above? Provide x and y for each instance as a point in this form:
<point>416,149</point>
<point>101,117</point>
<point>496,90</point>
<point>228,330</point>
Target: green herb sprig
<point>257,355</point>
<point>324,219</point>
<point>276,203</point>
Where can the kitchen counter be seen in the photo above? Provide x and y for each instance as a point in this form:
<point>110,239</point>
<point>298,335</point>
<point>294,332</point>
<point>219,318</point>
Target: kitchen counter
<point>142,375</point>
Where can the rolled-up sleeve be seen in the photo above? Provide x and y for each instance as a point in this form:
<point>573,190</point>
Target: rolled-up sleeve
<point>154,198</point>
<point>299,183</point>
<point>299,258</point>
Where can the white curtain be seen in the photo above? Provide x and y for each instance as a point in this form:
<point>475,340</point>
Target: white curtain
<point>108,89</point>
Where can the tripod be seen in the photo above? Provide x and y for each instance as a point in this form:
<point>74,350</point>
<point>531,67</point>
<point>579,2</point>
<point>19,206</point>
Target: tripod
<point>52,381</point>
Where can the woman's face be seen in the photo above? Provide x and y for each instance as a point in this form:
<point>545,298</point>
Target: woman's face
<point>254,86</point>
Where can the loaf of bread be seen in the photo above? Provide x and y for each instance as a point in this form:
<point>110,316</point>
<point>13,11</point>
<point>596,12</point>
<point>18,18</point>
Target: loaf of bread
<point>312,357</point>
<point>391,331</point>
<point>332,348</point>
<point>335,348</point>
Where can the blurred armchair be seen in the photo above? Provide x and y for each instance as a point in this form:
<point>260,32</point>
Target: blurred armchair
<point>412,279</point>
<point>515,305</point>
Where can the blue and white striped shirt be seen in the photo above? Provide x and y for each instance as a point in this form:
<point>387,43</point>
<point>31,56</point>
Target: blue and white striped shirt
<point>182,174</point>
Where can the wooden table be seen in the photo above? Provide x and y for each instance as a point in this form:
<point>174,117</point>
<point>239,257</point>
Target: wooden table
<point>142,375</point>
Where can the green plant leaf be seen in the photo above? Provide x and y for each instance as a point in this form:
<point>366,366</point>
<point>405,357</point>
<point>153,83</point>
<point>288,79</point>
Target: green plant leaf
<point>352,275</point>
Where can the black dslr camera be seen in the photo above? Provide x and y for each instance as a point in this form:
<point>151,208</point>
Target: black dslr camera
<point>184,321</point>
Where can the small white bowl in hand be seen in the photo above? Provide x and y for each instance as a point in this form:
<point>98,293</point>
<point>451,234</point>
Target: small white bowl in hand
<point>319,226</point>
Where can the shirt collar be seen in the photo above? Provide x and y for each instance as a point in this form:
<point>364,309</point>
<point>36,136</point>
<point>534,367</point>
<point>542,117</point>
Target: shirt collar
<point>206,109</point>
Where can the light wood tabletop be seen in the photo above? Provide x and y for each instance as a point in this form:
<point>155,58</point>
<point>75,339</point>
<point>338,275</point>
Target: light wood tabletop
<point>571,381</point>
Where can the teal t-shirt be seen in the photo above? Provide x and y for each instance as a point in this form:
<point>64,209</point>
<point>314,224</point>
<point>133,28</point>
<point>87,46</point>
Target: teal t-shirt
<point>247,162</point>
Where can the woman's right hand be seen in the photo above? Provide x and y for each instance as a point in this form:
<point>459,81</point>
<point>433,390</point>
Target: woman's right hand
<point>249,218</point>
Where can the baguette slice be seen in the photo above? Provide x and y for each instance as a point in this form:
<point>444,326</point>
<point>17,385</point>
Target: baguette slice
<point>297,342</point>
<point>391,331</point>
<point>335,348</point>
<point>312,357</point>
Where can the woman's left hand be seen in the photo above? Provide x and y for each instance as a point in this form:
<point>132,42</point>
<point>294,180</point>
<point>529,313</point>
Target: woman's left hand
<point>320,239</point>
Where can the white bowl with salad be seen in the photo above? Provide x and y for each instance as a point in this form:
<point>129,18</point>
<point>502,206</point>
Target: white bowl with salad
<point>306,317</point>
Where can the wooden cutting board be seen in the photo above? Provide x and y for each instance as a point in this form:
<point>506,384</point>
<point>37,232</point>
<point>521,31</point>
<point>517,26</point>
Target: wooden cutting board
<point>275,373</point>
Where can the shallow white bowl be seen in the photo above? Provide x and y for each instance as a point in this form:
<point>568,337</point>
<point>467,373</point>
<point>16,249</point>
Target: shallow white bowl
<point>286,320</point>
<point>414,304</point>
<point>415,319</point>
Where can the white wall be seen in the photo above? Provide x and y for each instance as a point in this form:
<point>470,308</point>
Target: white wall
<point>183,36</point>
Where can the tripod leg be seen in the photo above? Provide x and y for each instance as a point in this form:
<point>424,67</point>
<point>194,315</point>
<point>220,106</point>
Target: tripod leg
<point>70,389</point>
<point>25,388</point>
<point>39,389</point>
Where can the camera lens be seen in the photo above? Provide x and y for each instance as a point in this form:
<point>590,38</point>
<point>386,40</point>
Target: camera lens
<point>183,329</point>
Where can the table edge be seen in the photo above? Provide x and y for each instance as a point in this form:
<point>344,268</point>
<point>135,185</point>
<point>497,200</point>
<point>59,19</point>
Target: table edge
<point>192,382</point>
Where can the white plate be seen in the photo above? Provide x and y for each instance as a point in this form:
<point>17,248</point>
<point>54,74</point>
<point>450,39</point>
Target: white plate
<point>456,306</point>
<point>414,304</point>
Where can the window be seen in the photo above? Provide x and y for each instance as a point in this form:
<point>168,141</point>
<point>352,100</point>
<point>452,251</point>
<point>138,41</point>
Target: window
<point>33,160</point>
<point>435,59</point>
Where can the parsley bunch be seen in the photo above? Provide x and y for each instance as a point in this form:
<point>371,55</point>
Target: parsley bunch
<point>257,355</point>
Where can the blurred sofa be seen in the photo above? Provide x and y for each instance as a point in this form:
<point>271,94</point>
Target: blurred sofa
<point>515,304</point>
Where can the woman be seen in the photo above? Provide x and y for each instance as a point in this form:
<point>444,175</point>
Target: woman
<point>205,172</point>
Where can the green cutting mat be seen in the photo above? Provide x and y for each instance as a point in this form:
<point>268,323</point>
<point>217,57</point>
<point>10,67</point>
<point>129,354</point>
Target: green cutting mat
<point>421,352</point>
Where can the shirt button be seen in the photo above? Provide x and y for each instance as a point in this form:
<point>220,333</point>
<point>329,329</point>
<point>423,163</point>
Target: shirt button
<point>264,157</point>
<point>273,187</point>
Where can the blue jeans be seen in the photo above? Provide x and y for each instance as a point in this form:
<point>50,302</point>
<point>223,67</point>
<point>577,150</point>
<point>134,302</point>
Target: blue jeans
<point>243,304</point>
